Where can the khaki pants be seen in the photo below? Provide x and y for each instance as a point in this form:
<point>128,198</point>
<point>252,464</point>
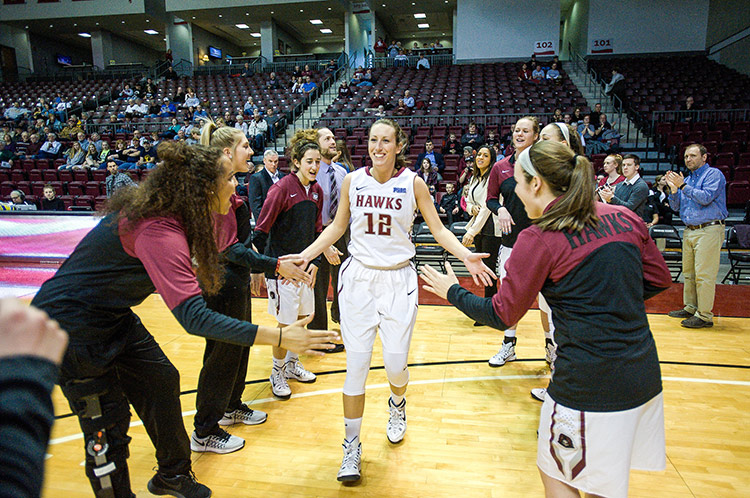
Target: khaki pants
<point>701,250</point>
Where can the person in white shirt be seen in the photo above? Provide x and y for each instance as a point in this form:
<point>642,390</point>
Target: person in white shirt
<point>408,99</point>
<point>256,131</point>
<point>423,63</point>
<point>240,124</point>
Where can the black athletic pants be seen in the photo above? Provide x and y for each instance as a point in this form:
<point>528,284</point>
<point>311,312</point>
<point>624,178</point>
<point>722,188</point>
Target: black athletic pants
<point>222,378</point>
<point>326,274</point>
<point>490,244</point>
<point>134,370</point>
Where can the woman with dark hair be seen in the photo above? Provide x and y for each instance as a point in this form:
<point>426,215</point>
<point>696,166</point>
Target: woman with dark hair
<point>427,173</point>
<point>343,157</point>
<point>482,228</point>
<point>378,282</point>
<point>603,413</point>
<point>166,235</point>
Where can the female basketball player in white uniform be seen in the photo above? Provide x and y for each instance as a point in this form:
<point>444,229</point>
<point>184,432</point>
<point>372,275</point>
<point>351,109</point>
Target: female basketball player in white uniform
<point>378,282</point>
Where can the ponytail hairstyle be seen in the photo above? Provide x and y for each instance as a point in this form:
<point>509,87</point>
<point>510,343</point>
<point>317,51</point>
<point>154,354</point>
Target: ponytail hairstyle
<point>302,141</point>
<point>570,177</point>
<point>180,187</point>
<point>618,161</point>
<point>572,138</point>
<point>401,139</point>
<point>223,137</point>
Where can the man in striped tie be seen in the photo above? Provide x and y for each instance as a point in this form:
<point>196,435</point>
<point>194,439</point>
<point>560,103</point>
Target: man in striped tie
<point>330,177</point>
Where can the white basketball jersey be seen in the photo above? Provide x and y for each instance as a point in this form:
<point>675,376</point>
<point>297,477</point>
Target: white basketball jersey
<point>382,215</point>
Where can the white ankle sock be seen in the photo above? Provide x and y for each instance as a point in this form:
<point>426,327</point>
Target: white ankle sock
<point>510,332</point>
<point>278,364</point>
<point>396,399</point>
<point>352,428</point>
<point>290,356</point>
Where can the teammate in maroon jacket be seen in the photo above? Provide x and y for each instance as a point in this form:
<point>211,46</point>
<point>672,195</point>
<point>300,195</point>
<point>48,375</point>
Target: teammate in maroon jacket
<point>603,413</point>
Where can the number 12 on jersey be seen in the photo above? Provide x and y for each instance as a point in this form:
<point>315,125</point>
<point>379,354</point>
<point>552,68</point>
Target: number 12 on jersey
<point>384,224</point>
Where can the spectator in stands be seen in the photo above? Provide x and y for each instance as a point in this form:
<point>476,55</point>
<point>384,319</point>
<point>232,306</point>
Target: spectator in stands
<point>491,139</point>
<point>472,137</point>
<point>228,120</point>
<point>259,183</point>
<point>309,86</point>
<point>104,154</point>
<point>449,204</point>
<point>401,109</point>
<point>81,137</point>
<point>524,74</point>
<point>393,49</point>
<point>154,108</point>
<point>594,116</point>
<point>256,131</point>
<point>613,171</point>
<point>168,109</point>
<point>367,79</point>
<point>297,86</point>
<point>423,63</point>
<point>179,97</point>
<point>61,109</point>
<point>174,127</point>
<point>537,74</point>
<point>401,60</point>
<point>182,135</point>
<point>199,113</point>
<point>149,88</point>
<point>275,122</point>
<point>74,158</point>
<point>15,112</point>
<point>194,138</point>
<point>344,90</point>
<point>631,193</point>
<point>249,107</point>
<point>554,74</point>
<point>171,74</point>
<point>701,200</point>
<point>379,47</point>
<point>91,161</point>
<point>19,201</point>
<point>126,93</point>
<point>428,172</point>
<point>435,158</point>
<point>240,124</point>
<point>7,155</point>
<point>307,72</point>
<point>587,131</point>
<point>22,144</point>
<point>453,145</point>
<point>247,71</point>
<point>297,73</point>
<point>191,101</point>
<point>70,130</point>
<point>331,67</point>
<point>273,83</point>
<point>116,180</point>
<point>380,112</point>
<point>34,145</point>
<point>50,201</point>
<point>376,101</point>
<point>686,107</point>
<point>118,154</point>
<point>659,198</point>
<point>465,166</point>
<point>409,100</point>
<point>50,149</point>
<point>577,117</point>
<point>343,156</point>
<point>131,154</point>
<point>616,86</point>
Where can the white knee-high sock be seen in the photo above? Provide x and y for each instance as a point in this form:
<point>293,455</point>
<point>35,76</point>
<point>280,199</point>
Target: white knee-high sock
<point>352,428</point>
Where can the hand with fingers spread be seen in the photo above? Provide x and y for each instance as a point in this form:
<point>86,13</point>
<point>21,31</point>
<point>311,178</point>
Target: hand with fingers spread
<point>481,274</point>
<point>291,267</point>
<point>300,340</point>
<point>333,254</point>
<point>437,283</point>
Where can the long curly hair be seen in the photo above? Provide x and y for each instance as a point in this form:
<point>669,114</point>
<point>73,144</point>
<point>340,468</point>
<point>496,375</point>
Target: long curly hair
<point>181,187</point>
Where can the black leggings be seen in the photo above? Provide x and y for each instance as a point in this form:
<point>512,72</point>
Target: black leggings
<point>490,244</point>
<point>222,378</point>
<point>133,369</point>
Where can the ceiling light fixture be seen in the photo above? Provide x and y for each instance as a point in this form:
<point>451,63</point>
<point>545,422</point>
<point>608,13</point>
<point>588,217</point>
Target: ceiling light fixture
<point>316,21</point>
<point>326,31</point>
<point>242,26</point>
<point>75,24</point>
<point>84,35</point>
<point>147,20</point>
<point>423,26</point>
<point>420,16</point>
<point>150,31</point>
<point>219,15</point>
<point>255,35</point>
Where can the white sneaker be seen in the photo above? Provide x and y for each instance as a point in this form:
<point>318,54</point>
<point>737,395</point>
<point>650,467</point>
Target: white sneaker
<point>539,393</point>
<point>295,371</point>
<point>279,385</point>
<point>350,465</point>
<point>223,442</point>
<point>243,415</point>
<point>507,353</point>
<point>550,353</point>
<point>396,422</point>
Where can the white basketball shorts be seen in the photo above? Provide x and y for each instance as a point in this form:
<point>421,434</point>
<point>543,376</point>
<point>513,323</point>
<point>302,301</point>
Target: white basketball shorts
<point>286,301</point>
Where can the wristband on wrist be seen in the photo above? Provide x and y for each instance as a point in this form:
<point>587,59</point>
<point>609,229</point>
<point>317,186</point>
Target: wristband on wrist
<point>279,345</point>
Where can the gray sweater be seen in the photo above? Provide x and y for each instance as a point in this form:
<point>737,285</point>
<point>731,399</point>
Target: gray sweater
<point>633,196</point>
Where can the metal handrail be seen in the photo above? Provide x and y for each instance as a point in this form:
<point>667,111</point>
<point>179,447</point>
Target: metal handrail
<point>411,61</point>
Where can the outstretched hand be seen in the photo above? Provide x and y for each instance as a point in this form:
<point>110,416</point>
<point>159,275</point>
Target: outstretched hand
<point>481,274</point>
<point>437,283</point>
<point>292,268</point>
<point>300,340</point>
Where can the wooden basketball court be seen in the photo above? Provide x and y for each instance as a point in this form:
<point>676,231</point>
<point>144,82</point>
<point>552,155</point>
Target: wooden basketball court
<point>471,428</point>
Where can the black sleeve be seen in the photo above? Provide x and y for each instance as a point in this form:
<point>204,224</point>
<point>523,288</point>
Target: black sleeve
<point>244,234</point>
<point>197,319</point>
<point>475,307</point>
<point>241,255</point>
<point>494,205</point>
<point>255,196</point>
<point>26,416</point>
<point>260,239</point>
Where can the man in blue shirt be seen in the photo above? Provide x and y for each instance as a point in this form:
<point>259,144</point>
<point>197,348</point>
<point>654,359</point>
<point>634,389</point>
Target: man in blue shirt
<point>702,203</point>
<point>308,86</point>
<point>435,158</point>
